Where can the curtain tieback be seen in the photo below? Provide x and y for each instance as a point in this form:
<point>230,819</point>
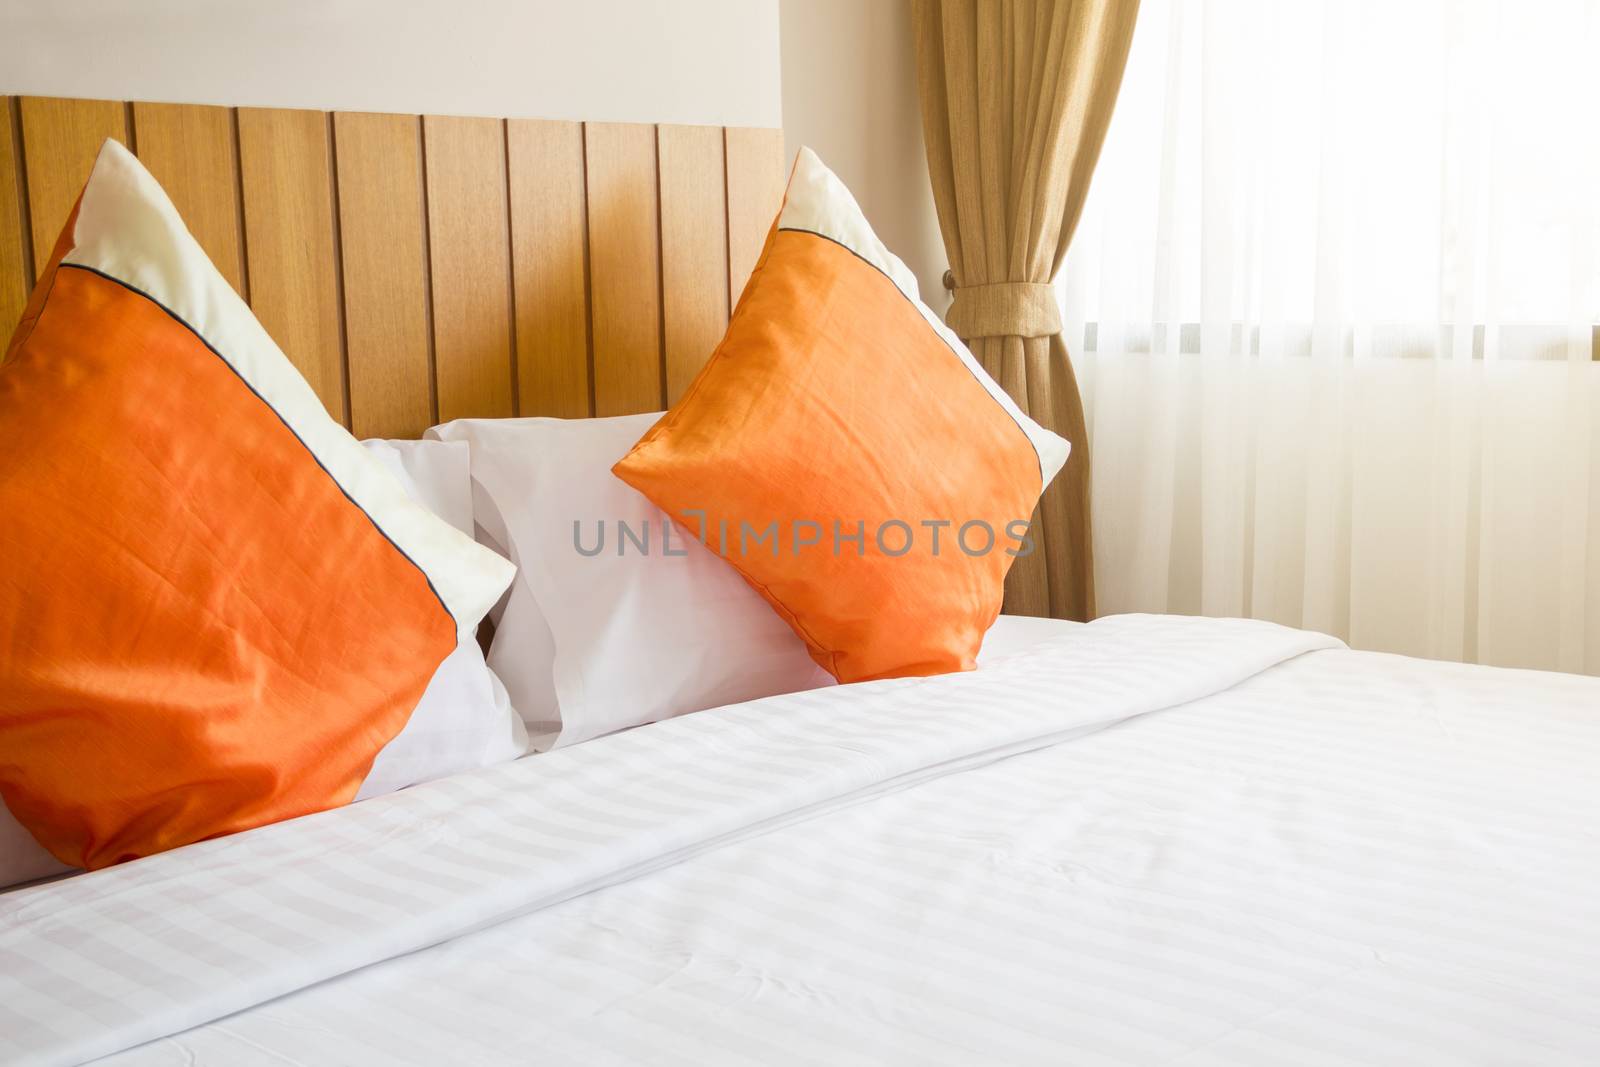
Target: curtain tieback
<point>1003,309</point>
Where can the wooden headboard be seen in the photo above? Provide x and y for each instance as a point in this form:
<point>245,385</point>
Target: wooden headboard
<point>424,268</point>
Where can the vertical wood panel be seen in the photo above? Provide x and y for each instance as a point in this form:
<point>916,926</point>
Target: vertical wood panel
<point>624,267</point>
<point>60,139</point>
<point>286,172</point>
<point>470,260</point>
<point>694,250</point>
<point>755,189</point>
<point>384,242</point>
<point>16,267</point>
<point>189,149</point>
<point>415,268</point>
<point>550,269</point>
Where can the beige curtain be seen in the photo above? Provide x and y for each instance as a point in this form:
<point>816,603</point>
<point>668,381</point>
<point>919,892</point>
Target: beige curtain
<point>1016,97</point>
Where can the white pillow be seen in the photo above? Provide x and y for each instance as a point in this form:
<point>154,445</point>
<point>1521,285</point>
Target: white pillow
<point>590,644</point>
<point>464,719</point>
<point>22,859</point>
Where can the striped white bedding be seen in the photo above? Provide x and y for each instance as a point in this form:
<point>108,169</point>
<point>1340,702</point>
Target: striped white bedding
<point>1312,856</point>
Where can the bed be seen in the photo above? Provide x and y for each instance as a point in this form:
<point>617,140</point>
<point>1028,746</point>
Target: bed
<point>1143,840</point>
<point>1140,840</point>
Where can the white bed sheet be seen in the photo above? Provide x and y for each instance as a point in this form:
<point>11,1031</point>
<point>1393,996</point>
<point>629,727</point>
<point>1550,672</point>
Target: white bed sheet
<point>1011,634</point>
<point>1342,858</point>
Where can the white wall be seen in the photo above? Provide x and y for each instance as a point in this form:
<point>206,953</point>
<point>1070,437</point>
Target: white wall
<point>850,92</point>
<point>847,85</point>
<point>694,61</point>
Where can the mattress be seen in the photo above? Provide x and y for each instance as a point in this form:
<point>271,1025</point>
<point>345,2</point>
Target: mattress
<point>1144,840</point>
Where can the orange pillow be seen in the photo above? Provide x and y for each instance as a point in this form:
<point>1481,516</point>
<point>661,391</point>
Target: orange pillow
<point>215,607</point>
<point>844,451</point>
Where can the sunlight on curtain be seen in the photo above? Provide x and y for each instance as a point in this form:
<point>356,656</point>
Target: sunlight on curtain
<point>1333,305</point>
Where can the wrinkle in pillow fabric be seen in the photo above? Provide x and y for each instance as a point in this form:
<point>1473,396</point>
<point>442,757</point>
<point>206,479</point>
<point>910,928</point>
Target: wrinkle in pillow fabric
<point>463,721</point>
<point>217,607</point>
<point>846,454</point>
<point>591,642</point>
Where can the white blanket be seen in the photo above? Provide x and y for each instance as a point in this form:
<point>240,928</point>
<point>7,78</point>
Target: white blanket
<point>1349,858</point>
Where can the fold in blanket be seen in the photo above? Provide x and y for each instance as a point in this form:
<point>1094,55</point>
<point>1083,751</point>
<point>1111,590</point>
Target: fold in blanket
<point>102,962</point>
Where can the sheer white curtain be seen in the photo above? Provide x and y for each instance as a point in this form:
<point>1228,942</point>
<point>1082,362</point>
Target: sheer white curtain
<point>1333,306</point>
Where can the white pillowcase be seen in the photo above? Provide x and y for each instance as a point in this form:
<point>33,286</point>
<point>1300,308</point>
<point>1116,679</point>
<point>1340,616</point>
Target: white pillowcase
<point>22,859</point>
<point>590,644</point>
<point>464,720</point>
